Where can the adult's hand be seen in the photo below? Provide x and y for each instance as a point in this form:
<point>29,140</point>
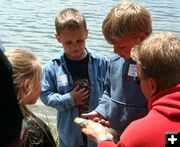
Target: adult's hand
<point>96,117</point>
<point>96,131</point>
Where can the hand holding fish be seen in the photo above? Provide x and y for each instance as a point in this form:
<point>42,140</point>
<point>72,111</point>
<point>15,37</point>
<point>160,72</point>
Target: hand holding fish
<point>96,131</point>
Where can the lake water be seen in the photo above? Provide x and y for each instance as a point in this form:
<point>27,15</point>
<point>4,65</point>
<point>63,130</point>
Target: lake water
<point>30,24</point>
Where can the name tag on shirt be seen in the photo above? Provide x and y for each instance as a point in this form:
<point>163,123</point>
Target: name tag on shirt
<point>132,70</point>
<point>62,80</point>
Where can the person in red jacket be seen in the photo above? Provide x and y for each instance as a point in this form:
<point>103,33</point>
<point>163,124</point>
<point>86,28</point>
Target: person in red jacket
<point>158,73</point>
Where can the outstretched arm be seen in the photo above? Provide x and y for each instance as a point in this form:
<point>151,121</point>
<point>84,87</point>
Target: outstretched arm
<point>96,117</point>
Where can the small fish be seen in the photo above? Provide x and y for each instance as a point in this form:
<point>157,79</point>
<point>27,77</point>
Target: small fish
<point>82,122</point>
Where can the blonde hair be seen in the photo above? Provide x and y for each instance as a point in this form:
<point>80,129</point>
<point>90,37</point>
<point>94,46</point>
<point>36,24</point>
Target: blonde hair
<point>159,58</point>
<point>126,18</point>
<point>69,18</point>
<point>25,66</point>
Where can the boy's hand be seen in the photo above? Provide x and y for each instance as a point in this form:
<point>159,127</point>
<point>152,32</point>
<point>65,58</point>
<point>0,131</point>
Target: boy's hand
<point>80,96</point>
<point>96,117</point>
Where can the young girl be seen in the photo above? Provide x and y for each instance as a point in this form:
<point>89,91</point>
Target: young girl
<point>9,132</point>
<point>27,72</point>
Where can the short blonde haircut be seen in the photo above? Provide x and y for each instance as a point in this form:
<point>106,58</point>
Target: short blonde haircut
<point>124,19</point>
<point>25,66</point>
<point>69,18</point>
<point>159,58</point>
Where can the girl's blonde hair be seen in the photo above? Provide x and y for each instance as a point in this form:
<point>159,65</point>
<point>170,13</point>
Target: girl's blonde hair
<point>124,19</point>
<point>25,66</point>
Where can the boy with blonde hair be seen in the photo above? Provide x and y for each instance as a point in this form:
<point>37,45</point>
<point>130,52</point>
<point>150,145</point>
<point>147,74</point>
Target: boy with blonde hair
<point>158,73</point>
<point>125,26</point>
<point>73,82</point>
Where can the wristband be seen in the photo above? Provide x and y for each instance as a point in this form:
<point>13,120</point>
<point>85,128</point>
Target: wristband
<point>104,137</point>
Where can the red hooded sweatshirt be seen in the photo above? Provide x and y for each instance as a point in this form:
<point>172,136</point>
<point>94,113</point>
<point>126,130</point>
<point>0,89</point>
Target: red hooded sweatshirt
<point>163,116</point>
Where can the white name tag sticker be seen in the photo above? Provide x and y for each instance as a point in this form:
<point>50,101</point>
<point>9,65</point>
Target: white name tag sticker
<point>62,80</point>
<point>132,70</point>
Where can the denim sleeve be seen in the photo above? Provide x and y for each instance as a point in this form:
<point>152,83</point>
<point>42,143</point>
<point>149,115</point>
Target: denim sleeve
<point>49,94</point>
<point>104,101</point>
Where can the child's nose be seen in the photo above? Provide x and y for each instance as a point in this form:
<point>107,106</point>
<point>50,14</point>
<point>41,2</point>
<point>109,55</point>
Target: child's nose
<point>76,45</point>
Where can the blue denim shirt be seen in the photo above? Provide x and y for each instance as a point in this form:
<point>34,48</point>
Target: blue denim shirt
<point>57,85</point>
<point>122,101</point>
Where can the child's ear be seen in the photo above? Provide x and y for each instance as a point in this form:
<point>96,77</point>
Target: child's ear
<point>87,33</point>
<point>58,37</point>
<point>142,36</point>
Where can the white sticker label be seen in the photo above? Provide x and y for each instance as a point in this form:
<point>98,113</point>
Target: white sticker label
<point>132,70</point>
<point>62,80</point>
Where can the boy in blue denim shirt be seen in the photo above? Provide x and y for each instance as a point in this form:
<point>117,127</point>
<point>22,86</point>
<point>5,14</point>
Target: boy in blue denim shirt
<point>125,26</point>
<point>73,82</point>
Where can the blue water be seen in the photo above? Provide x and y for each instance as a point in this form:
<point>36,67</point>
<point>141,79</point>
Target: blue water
<point>30,24</point>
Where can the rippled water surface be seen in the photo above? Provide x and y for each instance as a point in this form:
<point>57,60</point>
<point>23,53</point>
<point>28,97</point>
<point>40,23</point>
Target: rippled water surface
<point>30,24</point>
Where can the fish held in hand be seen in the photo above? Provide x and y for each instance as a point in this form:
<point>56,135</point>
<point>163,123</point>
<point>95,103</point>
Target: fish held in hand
<point>82,122</point>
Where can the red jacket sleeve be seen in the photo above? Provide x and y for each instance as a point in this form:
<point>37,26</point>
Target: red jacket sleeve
<point>107,143</point>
